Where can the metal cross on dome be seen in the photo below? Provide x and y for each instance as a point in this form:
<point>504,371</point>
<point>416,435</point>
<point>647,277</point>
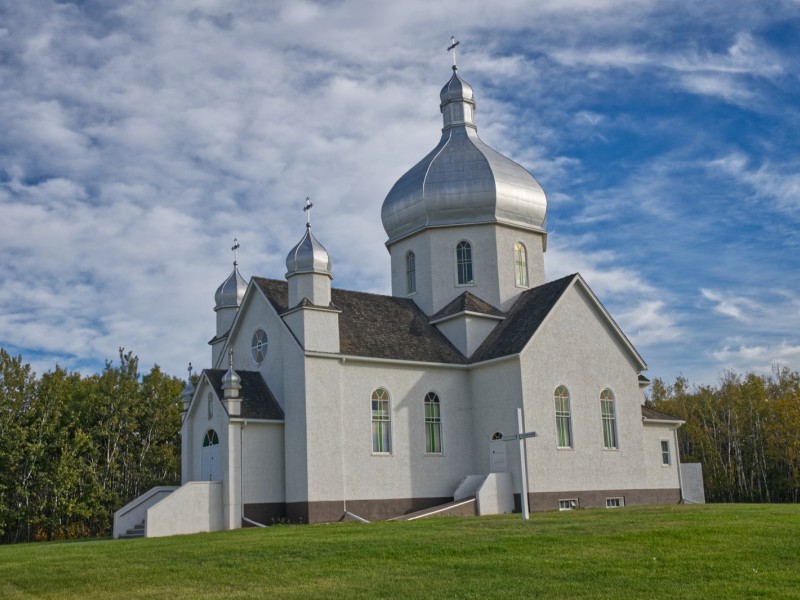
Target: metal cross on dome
<point>234,248</point>
<point>307,210</point>
<point>452,46</point>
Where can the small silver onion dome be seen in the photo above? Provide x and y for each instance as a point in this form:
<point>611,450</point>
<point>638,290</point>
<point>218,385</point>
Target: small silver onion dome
<point>231,292</point>
<point>462,181</point>
<point>308,256</point>
<point>231,379</point>
<point>456,89</point>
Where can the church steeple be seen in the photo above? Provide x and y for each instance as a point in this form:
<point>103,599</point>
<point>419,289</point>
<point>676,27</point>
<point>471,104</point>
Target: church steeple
<point>308,268</point>
<point>227,299</point>
<point>465,216</point>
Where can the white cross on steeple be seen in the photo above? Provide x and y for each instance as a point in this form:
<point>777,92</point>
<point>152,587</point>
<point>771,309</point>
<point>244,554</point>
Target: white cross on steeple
<point>307,210</point>
<point>452,46</point>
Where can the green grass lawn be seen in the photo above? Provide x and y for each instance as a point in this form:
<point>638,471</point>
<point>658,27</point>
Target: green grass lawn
<point>708,551</point>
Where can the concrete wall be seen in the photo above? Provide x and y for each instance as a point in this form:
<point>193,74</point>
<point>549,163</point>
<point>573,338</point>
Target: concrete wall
<point>193,508</point>
<point>692,479</point>
<point>135,512</point>
<point>496,496</point>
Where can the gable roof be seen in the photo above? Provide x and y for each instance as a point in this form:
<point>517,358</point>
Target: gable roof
<point>258,401</point>
<point>522,320</point>
<point>466,302</point>
<point>377,326</point>
<point>651,414</point>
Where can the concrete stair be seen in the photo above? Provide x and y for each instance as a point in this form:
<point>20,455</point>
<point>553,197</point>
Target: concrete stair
<point>137,531</point>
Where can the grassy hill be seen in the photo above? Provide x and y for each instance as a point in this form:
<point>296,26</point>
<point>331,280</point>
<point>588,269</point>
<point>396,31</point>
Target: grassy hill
<point>710,551</point>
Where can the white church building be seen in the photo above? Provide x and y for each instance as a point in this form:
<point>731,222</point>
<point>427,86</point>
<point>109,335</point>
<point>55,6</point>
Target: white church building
<point>324,404</point>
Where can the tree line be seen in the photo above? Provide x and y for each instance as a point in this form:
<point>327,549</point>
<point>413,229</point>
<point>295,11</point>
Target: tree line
<point>745,431</point>
<point>74,449</point>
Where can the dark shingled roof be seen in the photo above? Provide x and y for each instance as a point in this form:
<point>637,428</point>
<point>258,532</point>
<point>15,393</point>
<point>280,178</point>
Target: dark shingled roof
<point>522,320</point>
<point>466,302</point>
<point>258,402</point>
<point>652,413</point>
<point>377,326</point>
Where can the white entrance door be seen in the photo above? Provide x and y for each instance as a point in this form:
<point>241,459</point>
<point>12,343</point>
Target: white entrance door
<point>497,457</point>
<point>210,465</point>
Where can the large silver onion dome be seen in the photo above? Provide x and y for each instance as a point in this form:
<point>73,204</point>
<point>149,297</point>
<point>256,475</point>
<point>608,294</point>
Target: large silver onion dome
<point>231,292</point>
<point>462,180</point>
<point>308,256</point>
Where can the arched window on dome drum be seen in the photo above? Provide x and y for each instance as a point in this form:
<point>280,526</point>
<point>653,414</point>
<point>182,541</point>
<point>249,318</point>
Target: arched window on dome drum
<point>464,263</point>
<point>563,417</point>
<point>381,422</point>
<point>411,273</point>
<point>433,424</point>
<point>521,264</point>
<point>609,416</point>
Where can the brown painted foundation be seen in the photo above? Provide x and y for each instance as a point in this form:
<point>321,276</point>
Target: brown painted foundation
<point>542,501</point>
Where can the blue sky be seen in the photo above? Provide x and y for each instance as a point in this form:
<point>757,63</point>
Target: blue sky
<point>139,138</point>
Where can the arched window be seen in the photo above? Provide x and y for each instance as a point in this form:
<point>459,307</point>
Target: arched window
<point>211,438</point>
<point>563,417</point>
<point>411,273</point>
<point>521,264</point>
<point>464,263</point>
<point>381,422</point>
<point>609,417</point>
<point>433,424</point>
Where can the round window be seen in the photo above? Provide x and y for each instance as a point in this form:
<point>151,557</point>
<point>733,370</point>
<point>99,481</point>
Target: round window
<point>259,346</point>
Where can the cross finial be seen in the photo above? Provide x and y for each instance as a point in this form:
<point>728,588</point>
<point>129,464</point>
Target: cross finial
<point>307,210</point>
<point>190,371</point>
<point>230,354</point>
<point>234,248</point>
<point>452,46</point>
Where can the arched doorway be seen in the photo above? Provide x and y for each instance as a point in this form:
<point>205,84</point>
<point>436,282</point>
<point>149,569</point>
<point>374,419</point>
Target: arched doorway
<point>210,464</point>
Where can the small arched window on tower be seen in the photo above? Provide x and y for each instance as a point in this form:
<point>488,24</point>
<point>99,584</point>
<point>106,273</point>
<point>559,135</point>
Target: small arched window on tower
<point>411,273</point>
<point>464,263</point>
<point>521,264</point>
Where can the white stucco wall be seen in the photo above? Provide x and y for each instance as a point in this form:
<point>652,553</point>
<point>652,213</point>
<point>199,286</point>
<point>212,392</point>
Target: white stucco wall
<point>194,429</point>
<point>341,462</point>
<point>576,348</point>
<point>263,463</point>
<point>493,264</point>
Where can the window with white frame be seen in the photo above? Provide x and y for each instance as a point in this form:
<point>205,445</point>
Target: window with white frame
<point>433,424</point>
<point>381,422</point>
<point>666,459</point>
<point>568,504</point>
<point>464,263</point>
<point>609,418</point>
<point>615,502</point>
<point>563,417</point>
<point>411,273</point>
<point>521,264</point>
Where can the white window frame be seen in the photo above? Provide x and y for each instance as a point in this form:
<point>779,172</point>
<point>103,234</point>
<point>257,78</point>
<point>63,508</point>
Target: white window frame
<point>568,504</point>
<point>666,453</point>
<point>520,265</point>
<point>383,419</point>
<point>615,502</point>
<point>563,417</point>
<point>433,423</point>
<point>608,420</point>
<point>411,273</point>
<point>470,262</point>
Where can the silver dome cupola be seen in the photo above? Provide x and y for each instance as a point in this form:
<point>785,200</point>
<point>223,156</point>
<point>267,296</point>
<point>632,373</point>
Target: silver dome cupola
<point>231,292</point>
<point>308,255</point>
<point>462,181</point>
